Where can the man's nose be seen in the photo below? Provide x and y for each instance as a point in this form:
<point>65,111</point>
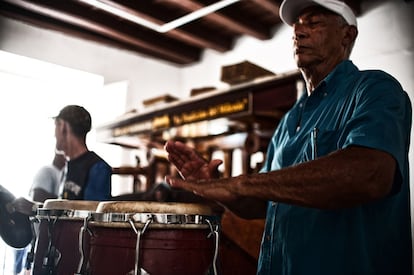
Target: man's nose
<point>299,31</point>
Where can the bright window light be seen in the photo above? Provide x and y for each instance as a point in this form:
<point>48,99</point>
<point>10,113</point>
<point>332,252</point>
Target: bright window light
<point>128,14</point>
<point>33,92</point>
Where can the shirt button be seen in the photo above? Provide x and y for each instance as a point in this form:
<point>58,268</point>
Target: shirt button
<point>301,105</point>
<point>268,238</point>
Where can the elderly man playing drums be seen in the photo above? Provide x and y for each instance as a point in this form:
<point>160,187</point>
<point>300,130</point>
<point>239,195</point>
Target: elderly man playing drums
<point>334,188</point>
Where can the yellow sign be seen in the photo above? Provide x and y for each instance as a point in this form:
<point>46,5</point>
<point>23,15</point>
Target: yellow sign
<point>210,112</point>
<point>161,122</point>
<point>167,121</point>
<point>132,129</point>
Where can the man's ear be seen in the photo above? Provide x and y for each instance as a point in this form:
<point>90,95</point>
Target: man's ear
<point>65,127</point>
<point>351,33</point>
<point>62,127</point>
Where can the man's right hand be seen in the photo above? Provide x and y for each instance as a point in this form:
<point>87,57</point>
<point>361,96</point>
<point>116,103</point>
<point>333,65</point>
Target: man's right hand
<point>23,206</point>
<point>189,163</point>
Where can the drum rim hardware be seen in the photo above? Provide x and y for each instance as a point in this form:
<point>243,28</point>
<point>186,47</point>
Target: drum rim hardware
<point>156,218</point>
<point>62,213</point>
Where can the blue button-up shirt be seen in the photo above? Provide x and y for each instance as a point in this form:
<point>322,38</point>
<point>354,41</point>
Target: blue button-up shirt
<point>350,107</point>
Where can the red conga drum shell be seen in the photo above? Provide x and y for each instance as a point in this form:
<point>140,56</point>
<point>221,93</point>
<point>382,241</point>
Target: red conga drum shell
<point>164,248</point>
<point>69,218</point>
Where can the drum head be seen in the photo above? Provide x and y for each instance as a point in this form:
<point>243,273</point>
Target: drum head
<point>154,207</point>
<point>70,204</point>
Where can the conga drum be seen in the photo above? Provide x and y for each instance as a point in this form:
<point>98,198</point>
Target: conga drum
<point>153,238</point>
<point>57,247</point>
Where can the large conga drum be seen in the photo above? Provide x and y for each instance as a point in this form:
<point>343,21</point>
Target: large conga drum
<point>57,247</point>
<point>153,238</point>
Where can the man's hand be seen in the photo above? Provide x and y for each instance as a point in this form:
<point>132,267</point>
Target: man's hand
<point>191,165</point>
<point>23,206</point>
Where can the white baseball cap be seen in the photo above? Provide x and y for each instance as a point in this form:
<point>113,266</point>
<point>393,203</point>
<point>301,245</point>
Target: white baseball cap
<point>290,9</point>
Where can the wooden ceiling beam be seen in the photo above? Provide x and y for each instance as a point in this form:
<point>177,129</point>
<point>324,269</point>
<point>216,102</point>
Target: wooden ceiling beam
<point>216,18</point>
<point>269,6</point>
<point>182,45</point>
<point>160,49</point>
<point>199,39</point>
<point>47,23</point>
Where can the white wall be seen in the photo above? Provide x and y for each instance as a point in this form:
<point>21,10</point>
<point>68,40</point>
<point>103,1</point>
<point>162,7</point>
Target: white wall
<point>146,77</point>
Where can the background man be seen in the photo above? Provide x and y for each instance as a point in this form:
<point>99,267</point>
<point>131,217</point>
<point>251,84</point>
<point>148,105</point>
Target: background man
<point>88,175</point>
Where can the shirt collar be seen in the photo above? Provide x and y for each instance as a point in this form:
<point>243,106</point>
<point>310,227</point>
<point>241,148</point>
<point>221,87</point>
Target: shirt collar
<point>338,75</point>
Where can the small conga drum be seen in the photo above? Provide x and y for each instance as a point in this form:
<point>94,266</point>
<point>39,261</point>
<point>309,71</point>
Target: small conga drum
<point>153,238</point>
<point>57,247</point>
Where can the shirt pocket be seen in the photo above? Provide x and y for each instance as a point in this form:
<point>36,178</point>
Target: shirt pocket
<point>325,142</point>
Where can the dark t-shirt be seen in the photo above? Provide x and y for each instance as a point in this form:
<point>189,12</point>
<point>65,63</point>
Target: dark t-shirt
<point>88,178</point>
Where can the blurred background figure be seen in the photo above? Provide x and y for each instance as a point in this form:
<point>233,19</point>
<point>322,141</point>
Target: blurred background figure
<point>48,179</point>
<point>76,174</point>
<point>46,185</point>
<point>88,176</point>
